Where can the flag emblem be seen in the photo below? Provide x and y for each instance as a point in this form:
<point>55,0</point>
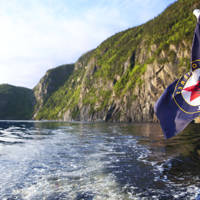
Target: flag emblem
<point>187,92</point>
<point>180,102</point>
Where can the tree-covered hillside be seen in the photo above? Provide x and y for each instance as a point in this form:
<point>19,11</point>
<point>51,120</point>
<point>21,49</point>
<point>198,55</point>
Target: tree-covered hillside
<point>50,83</point>
<point>16,103</point>
<point>122,78</point>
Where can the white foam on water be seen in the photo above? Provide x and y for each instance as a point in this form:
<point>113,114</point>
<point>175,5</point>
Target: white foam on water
<point>179,191</point>
<point>64,163</point>
<point>87,177</point>
<point>90,179</point>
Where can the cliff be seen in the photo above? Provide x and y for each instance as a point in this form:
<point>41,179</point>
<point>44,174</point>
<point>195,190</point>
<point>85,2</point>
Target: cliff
<point>52,81</point>
<point>118,81</point>
<point>122,78</point>
<point>16,102</point>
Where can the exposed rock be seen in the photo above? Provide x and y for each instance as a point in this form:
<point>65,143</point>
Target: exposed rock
<point>124,76</point>
<point>52,81</point>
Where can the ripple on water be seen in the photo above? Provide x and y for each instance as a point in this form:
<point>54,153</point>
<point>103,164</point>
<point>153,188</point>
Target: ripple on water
<point>88,161</point>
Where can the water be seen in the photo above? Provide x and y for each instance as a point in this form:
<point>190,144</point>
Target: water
<point>99,161</point>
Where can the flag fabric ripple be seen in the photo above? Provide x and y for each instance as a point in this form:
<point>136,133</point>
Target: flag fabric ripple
<point>180,102</point>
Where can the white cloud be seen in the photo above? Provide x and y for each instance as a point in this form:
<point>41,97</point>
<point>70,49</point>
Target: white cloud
<point>36,35</point>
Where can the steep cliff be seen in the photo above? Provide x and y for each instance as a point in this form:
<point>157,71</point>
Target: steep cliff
<point>52,81</point>
<point>16,103</point>
<point>122,78</point>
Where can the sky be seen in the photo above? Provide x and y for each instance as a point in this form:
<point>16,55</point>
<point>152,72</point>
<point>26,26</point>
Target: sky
<point>36,35</point>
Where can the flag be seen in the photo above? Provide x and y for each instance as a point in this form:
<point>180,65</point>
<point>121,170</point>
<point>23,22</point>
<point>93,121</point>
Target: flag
<point>180,102</point>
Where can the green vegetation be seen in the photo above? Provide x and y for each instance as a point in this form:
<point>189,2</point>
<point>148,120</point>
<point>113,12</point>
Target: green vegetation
<point>119,63</point>
<point>59,75</point>
<point>16,103</point>
<point>66,97</point>
<point>52,81</point>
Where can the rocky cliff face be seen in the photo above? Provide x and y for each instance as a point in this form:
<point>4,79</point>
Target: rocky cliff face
<point>52,80</point>
<point>16,103</point>
<point>141,85</point>
<point>122,78</point>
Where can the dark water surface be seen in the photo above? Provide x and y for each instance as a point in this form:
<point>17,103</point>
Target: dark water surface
<point>99,161</point>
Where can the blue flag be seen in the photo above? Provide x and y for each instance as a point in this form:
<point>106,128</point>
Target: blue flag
<point>180,102</point>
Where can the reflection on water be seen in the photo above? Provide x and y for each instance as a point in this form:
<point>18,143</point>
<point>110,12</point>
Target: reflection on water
<point>97,161</point>
<point>184,167</point>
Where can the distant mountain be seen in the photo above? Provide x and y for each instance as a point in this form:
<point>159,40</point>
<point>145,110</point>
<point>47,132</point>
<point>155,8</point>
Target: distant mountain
<point>16,102</point>
<point>122,78</point>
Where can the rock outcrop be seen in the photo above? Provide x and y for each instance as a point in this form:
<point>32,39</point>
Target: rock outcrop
<point>122,78</point>
<point>52,81</point>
